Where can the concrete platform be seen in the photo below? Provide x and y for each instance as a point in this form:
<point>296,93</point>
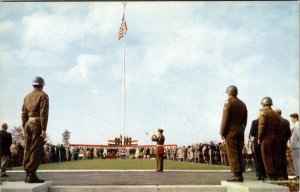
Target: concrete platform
<point>145,188</point>
<point>20,186</point>
<point>247,186</point>
<point>131,177</point>
<point>253,186</point>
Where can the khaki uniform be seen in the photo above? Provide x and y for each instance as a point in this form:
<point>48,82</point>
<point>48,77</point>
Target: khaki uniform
<point>159,158</point>
<point>268,134</point>
<point>34,120</point>
<point>233,125</point>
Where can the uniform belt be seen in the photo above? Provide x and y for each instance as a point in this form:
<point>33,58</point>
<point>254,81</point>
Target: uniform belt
<point>159,145</point>
<point>33,119</point>
<point>30,118</point>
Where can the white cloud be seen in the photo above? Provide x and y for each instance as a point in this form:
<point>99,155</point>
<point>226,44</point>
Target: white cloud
<point>52,32</point>
<point>83,67</point>
<point>6,26</point>
<point>192,47</point>
<point>57,30</point>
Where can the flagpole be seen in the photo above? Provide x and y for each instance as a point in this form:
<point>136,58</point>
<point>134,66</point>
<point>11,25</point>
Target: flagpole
<point>123,89</point>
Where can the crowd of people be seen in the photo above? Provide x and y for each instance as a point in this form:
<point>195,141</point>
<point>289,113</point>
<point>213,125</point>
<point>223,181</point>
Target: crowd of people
<point>206,153</point>
<point>61,153</point>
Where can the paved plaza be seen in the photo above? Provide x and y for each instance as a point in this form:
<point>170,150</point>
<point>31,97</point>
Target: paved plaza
<point>132,177</point>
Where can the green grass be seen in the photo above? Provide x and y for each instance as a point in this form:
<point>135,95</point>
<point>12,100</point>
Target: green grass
<point>128,164</point>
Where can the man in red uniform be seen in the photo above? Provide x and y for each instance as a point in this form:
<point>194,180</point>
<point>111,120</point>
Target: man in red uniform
<point>160,139</point>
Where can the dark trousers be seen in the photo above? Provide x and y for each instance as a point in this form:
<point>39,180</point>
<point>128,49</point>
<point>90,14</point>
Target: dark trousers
<point>234,147</point>
<point>270,155</point>
<point>259,164</point>
<point>159,161</point>
<point>33,147</point>
<point>282,172</point>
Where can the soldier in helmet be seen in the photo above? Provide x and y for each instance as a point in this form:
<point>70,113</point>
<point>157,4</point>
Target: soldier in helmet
<point>159,153</point>
<point>268,137</point>
<point>233,125</point>
<point>34,121</point>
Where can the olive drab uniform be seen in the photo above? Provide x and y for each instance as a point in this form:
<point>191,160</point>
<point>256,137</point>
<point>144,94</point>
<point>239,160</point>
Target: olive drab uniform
<point>34,120</point>
<point>233,125</point>
<point>158,155</point>
<point>268,134</point>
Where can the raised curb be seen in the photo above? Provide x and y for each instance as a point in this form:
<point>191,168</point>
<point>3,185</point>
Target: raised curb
<point>247,186</point>
<point>145,188</point>
<point>119,170</point>
<point>253,186</point>
<point>20,186</point>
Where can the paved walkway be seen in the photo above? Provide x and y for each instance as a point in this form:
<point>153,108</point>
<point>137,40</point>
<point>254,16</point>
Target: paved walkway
<point>132,177</point>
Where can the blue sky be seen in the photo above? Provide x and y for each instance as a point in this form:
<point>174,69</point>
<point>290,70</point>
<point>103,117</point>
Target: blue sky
<point>180,58</point>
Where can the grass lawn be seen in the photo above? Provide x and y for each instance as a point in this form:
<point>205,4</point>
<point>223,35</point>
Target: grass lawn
<point>127,164</point>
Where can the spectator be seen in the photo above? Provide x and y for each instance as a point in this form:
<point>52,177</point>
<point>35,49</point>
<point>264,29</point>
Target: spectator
<point>284,135</point>
<point>5,154</point>
<point>137,153</point>
<point>14,152</point>
<point>20,153</point>
<point>295,143</point>
<point>259,164</point>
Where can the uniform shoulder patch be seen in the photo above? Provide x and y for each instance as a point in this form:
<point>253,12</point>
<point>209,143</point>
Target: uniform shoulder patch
<point>226,104</point>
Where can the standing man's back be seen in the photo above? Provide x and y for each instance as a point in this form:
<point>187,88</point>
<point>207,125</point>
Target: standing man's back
<point>34,120</point>
<point>284,136</point>
<point>5,154</point>
<point>233,125</point>
<point>268,137</point>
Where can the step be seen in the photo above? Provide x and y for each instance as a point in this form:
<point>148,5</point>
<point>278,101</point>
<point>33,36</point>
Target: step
<point>139,188</point>
<point>21,186</point>
<point>253,186</point>
<point>247,186</point>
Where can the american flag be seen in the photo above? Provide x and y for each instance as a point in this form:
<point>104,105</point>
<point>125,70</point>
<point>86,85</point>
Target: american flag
<point>123,28</point>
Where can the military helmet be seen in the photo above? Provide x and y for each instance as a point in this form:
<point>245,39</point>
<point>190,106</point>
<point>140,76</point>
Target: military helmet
<point>232,90</point>
<point>266,101</point>
<point>38,81</point>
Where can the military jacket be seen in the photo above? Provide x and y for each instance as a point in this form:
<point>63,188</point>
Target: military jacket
<point>36,105</point>
<point>234,116</point>
<point>269,124</point>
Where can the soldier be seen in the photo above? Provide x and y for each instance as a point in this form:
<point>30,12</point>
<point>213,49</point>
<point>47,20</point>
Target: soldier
<point>259,164</point>
<point>233,125</point>
<point>284,136</point>
<point>159,153</point>
<point>34,120</point>
<point>268,135</point>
